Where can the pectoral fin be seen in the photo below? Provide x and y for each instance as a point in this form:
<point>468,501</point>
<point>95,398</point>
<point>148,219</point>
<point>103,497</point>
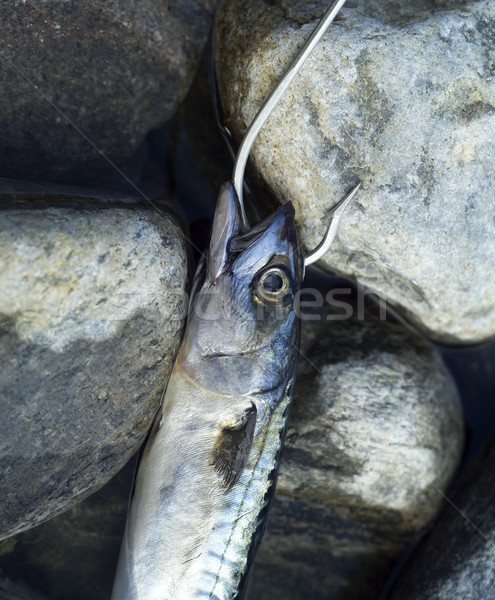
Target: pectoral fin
<point>232,446</point>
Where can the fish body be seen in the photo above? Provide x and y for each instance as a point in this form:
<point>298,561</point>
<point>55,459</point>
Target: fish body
<point>208,471</point>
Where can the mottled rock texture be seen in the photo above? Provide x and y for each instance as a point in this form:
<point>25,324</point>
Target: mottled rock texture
<point>113,70</point>
<point>401,96</point>
<point>375,430</point>
<point>91,312</point>
<point>457,560</point>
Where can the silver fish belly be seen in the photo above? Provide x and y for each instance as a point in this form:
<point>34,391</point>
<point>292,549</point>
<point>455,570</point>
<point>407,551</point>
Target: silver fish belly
<point>208,471</point>
<point>191,538</point>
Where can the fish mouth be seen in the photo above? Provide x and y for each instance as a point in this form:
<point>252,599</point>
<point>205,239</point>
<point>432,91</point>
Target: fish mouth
<point>249,352</point>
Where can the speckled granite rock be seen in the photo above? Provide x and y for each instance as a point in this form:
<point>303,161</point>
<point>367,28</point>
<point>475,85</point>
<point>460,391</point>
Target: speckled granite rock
<point>457,560</point>
<point>91,312</point>
<point>75,554</point>
<point>375,420</point>
<point>402,96</point>
<point>115,70</point>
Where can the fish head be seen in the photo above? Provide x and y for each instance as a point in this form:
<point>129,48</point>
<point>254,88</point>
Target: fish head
<point>242,332</point>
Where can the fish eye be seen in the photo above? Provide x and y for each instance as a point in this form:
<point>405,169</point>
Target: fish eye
<point>272,284</point>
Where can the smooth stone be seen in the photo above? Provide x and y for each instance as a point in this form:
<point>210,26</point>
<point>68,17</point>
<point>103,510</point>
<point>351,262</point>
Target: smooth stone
<point>107,73</point>
<point>402,97</point>
<point>91,313</point>
<point>75,554</point>
<point>457,559</point>
<point>376,427</point>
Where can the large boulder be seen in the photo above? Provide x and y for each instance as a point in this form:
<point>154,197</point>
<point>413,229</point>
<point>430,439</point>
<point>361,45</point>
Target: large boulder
<point>401,96</point>
<point>91,313</point>
<point>75,554</point>
<point>85,79</point>
<point>457,560</point>
<point>374,433</point>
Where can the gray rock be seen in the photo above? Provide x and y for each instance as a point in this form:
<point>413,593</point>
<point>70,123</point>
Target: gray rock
<point>10,590</point>
<point>199,132</point>
<point>75,554</point>
<point>376,427</point>
<point>91,312</point>
<point>113,70</point>
<point>457,560</point>
<point>401,96</point>
<point>201,159</point>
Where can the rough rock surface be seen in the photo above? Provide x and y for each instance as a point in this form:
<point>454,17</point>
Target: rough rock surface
<point>401,96</point>
<point>375,431</point>
<point>114,70</point>
<point>457,560</point>
<point>75,554</point>
<point>91,312</point>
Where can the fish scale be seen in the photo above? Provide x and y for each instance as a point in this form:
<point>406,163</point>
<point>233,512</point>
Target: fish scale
<point>256,484</point>
<point>232,516</point>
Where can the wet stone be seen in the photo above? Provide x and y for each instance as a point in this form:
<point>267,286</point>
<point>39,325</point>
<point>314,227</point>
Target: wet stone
<point>111,70</point>
<point>400,96</point>
<point>375,420</point>
<point>457,560</point>
<point>91,313</point>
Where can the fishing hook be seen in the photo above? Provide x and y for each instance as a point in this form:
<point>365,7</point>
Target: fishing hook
<point>260,119</point>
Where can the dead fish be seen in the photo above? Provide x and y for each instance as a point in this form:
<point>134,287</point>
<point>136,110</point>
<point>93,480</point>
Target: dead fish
<point>205,480</point>
<point>209,468</point>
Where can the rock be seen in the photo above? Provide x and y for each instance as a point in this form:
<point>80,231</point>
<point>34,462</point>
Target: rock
<point>402,97</point>
<point>113,70</point>
<point>199,141</point>
<point>457,560</point>
<point>376,419</point>
<point>201,159</point>
<point>10,590</point>
<point>91,312</point>
<point>75,554</point>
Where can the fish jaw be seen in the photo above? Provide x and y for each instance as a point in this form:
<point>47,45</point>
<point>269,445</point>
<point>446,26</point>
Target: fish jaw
<point>238,340</point>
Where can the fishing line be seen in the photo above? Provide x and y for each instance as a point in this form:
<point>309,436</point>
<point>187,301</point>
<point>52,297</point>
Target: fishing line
<point>274,97</point>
